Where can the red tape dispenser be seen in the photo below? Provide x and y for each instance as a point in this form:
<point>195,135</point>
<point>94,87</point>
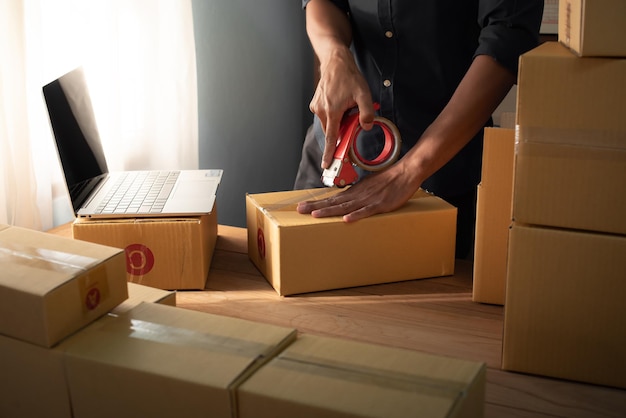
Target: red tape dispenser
<point>341,171</point>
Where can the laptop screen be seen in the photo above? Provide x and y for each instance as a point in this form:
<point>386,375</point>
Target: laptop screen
<point>76,134</point>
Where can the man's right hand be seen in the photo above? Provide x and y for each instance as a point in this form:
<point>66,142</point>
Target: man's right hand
<point>341,86</point>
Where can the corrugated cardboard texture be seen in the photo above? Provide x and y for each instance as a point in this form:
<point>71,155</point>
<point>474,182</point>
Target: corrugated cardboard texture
<point>558,90</point>
<point>564,311</point>
<point>571,155</point>
<point>298,253</point>
<point>33,381</point>
<point>570,187</point>
<point>160,361</point>
<point>493,216</point>
<point>166,253</point>
<point>593,28</point>
<point>52,286</point>
<point>318,376</point>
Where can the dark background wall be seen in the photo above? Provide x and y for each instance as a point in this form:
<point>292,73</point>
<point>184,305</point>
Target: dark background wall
<point>255,81</point>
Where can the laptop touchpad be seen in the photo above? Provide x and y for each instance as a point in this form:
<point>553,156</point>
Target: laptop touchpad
<point>188,190</point>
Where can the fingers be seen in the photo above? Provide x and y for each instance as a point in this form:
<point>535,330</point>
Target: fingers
<point>332,135</point>
<point>366,111</point>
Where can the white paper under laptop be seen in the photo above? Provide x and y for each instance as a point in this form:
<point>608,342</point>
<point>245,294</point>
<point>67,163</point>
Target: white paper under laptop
<point>94,191</point>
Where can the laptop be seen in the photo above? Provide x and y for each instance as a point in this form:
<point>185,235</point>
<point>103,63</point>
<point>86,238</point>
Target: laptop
<point>97,193</point>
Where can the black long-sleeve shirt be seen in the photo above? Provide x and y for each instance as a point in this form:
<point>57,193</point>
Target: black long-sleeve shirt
<point>414,53</point>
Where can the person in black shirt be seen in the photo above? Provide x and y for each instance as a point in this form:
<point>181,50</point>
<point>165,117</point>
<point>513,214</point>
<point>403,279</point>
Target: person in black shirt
<point>438,69</point>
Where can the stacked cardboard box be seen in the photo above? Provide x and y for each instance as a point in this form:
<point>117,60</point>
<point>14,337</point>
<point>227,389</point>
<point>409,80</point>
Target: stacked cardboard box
<point>31,371</point>
<point>564,305</point>
<point>298,253</point>
<point>330,377</point>
<point>161,361</point>
<point>125,357</point>
<point>493,216</point>
<point>50,288</point>
<point>165,253</point>
<point>593,28</point>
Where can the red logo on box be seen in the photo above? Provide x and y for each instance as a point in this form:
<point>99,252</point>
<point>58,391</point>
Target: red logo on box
<point>260,243</point>
<point>139,259</point>
<point>92,300</point>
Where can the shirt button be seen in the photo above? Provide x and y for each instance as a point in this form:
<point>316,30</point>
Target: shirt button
<point>387,83</point>
<point>389,34</point>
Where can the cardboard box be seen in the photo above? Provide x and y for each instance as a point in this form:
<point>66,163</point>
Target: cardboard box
<point>52,286</point>
<point>564,311</point>
<point>138,293</point>
<point>33,381</point>
<point>493,216</point>
<point>593,28</point>
<point>318,376</point>
<point>298,253</point>
<point>570,164</point>
<point>166,253</point>
<point>32,372</point>
<point>160,361</point>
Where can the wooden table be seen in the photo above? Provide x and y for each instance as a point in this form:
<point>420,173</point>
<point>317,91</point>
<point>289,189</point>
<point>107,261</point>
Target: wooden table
<point>431,315</point>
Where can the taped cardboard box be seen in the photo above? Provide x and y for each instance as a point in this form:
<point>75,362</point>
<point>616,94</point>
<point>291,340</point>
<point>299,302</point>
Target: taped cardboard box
<point>161,361</point>
<point>298,253</point>
<point>570,164</point>
<point>320,376</point>
<point>166,253</point>
<point>493,216</point>
<point>32,372</point>
<point>564,311</point>
<point>52,286</point>
<point>593,28</point>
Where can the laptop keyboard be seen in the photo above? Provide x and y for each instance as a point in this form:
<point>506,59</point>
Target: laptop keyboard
<point>139,192</point>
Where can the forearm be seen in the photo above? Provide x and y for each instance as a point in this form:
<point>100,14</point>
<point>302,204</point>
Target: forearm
<point>329,31</point>
<point>477,96</point>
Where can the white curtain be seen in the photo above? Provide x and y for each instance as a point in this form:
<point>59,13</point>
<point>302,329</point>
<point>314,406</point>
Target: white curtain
<point>139,61</point>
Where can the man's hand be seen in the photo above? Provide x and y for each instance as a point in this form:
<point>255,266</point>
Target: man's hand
<point>341,86</point>
<point>381,192</point>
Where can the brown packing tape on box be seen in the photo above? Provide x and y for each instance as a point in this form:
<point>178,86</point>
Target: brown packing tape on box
<point>158,360</point>
<point>590,138</point>
<point>372,376</point>
<point>570,186</point>
<point>52,286</point>
<point>324,376</point>
<point>91,276</point>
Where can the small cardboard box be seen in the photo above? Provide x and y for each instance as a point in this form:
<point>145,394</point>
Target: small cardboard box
<point>52,286</point>
<point>593,28</point>
<point>298,253</point>
<point>564,312</point>
<point>570,163</point>
<point>493,216</point>
<point>166,253</point>
<point>320,376</point>
<point>161,361</point>
<point>32,372</point>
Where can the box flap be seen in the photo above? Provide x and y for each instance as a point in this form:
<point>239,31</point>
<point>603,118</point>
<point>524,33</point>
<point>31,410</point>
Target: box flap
<point>35,262</point>
<point>373,380</point>
<point>280,207</point>
<point>233,343</point>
